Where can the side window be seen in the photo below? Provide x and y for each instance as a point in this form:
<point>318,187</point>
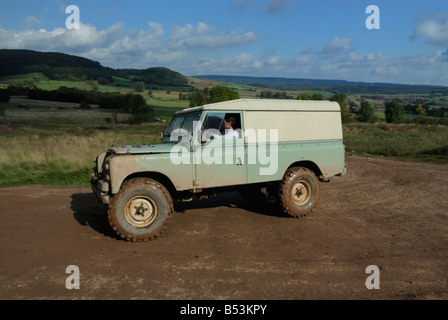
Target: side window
<point>210,127</point>
<point>214,126</point>
<point>213,121</point>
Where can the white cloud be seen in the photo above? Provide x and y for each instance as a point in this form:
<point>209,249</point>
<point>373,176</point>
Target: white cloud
<point>435,30</point>
<point>242,63</point>
<point>119,47</point>
<point>419,61</point>
<point>60,39</point>
<point>274,60</point>
<point>337,46</point>
<point>369,60</point>
<point>204,36</point>
<point>31,20</point>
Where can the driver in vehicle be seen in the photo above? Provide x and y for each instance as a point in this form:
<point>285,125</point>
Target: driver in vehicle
<point>229,122</point>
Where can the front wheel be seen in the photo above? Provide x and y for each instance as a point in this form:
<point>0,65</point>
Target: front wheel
<point>141,210</point>
<point>299,191</point>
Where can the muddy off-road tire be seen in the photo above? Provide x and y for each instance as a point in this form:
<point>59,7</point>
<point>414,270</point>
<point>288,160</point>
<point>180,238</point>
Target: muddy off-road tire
<point>299,191</point>
<point>141,210</point>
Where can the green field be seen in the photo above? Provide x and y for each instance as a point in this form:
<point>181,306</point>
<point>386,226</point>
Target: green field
<point>402,141</point>
<point>52,149</point>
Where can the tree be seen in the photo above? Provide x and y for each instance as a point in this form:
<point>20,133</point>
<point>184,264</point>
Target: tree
<point>303,96</point>
<point>317,96</point>
<point>421,112</point>
<point>94,84</point>
<point>215,94</point>
<point>221,93</point>
<point>141,112</point>
<point>366,112</point>
<point>341,98</point>
<point>394,111</point>
<point>134,102</point>
<point>306,96</point>
<point>197,99</point>
<point>139,86</point>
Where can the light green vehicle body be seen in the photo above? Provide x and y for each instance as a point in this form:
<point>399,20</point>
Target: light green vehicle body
<point>309,134</point>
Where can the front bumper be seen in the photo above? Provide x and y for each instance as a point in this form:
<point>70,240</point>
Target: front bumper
<point>100,188</point>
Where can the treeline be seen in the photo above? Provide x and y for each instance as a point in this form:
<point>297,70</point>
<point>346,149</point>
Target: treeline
<point>22,61</point>
<point>159,75</point>
<point>430,111</point>
<point>351,88</point>
<point>206,96</point>
<point>394,112</point>
<point>365,111</point>
<point>59,66</point>
<point>132,103</point>
<point>268,94</point>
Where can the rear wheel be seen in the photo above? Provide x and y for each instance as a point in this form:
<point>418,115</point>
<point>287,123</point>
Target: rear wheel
<point>299,191</point>
<point>141,210</point>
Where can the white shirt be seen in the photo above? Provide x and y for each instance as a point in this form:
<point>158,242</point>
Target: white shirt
<point>230,134</point>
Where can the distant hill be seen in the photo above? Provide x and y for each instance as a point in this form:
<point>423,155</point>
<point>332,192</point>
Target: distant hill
<point>349,87</point>
<point>60,66</point>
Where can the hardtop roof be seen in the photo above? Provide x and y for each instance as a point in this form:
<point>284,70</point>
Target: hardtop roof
<point>268,105</point>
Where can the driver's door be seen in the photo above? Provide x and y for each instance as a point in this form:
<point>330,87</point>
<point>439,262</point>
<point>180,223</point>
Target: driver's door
<point>218,161</point>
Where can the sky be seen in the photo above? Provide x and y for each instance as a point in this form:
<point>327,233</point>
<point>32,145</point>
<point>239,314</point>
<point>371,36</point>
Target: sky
<point>398,42</point>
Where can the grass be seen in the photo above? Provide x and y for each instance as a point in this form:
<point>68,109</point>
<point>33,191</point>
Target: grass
<point>62,156</point>
<point>165,114</point>
<point>404,141</point>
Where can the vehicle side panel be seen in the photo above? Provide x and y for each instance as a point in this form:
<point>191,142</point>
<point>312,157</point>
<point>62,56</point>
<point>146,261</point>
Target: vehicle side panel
<point>328,155</point>
<point>122,166</point>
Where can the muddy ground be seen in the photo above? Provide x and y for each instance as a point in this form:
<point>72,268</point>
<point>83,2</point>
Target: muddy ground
<point>386,213</point>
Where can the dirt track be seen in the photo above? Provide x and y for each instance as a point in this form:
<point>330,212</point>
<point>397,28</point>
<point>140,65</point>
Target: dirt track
<point>386,213</point>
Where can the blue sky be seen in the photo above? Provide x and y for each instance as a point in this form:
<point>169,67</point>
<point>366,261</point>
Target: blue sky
<point>318,39</point>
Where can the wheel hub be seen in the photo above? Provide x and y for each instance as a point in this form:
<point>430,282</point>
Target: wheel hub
<point>301,192</point>
<point>140,211</point>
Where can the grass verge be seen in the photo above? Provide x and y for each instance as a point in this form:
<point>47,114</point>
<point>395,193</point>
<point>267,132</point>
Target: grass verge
<point>405,141</point>
<point>62,157</point>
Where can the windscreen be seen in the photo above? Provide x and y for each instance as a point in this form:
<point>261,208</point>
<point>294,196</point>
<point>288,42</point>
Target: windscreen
<point>182,121</point>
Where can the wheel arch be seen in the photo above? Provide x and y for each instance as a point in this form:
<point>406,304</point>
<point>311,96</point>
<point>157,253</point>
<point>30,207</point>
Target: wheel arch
<point>307,164</point>
<point>157,176</point>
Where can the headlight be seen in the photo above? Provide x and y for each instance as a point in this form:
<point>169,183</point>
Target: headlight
<point>100,160</point>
